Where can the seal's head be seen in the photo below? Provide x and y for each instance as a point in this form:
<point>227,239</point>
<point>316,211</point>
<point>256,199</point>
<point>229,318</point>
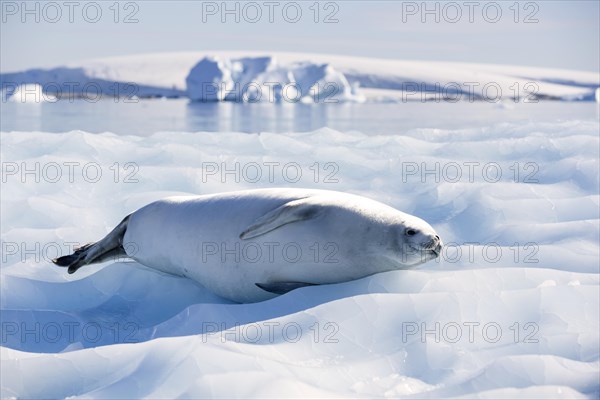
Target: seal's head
<point>418,242</point>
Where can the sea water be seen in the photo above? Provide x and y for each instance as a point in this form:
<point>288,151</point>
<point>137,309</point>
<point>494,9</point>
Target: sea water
<point>146,116</point>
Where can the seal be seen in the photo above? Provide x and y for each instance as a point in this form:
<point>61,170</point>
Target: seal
<point>252,245</point>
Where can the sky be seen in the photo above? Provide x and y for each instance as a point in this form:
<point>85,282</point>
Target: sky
<point>553,34</point>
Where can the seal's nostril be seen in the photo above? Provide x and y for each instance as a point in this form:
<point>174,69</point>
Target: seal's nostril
<point>437,237</point>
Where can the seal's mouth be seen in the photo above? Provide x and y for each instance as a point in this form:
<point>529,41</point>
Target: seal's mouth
<point>428,249</point>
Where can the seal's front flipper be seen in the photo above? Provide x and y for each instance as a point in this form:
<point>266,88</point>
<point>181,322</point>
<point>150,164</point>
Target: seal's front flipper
<point>283,287</point>
<point>295,210</point>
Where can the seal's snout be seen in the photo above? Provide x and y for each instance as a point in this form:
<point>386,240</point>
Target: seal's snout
<point>438,246</point>
<point>438,242</point>
<point>434,245</point>
<point>438,249</point>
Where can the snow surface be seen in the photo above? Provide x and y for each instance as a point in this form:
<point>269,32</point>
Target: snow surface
<point>355,339</point>
<point>164,74</point>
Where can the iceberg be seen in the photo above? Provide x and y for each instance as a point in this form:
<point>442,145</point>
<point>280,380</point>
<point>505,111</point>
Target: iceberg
<point>263,79</point>
<point>30,93</point>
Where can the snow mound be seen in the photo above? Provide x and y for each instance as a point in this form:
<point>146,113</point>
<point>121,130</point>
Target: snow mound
<point>263,79</point>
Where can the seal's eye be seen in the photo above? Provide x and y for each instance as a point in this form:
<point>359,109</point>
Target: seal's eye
<point>411,232</point>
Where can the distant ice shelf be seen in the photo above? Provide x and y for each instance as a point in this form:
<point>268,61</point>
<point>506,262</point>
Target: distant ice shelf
<point>298,77</point>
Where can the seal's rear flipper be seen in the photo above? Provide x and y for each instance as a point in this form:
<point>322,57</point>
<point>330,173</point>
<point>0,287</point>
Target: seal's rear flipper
<point>282,287</point>
<point>110,246</point>
<point>71,260</point>
<point>80,257</point>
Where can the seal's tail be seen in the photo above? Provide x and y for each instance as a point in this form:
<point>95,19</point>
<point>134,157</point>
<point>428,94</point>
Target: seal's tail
<point>110,246</point>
